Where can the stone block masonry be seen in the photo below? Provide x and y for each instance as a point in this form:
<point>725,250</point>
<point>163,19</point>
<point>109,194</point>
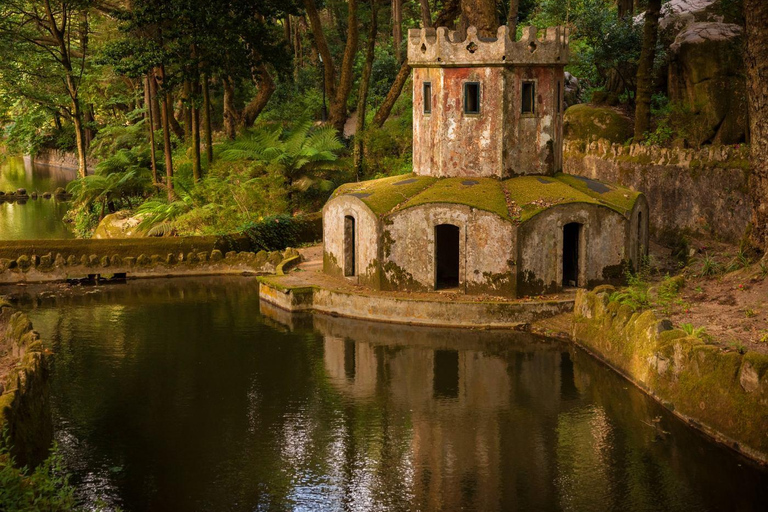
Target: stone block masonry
<point>24,394</point>
<point>703,191</point>
<point>722,392</point>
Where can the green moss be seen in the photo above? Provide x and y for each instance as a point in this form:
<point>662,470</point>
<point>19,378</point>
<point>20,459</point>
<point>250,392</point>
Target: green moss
<point>382,195</point>
<point>591,122</point>
<point>482,193</point>
<point>617,198</point>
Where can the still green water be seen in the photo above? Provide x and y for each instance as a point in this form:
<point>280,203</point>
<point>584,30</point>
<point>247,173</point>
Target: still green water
<point>190,395</point>
<point>36,218</point>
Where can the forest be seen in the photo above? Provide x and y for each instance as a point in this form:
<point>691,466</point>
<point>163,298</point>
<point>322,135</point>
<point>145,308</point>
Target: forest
<point>203,117</point>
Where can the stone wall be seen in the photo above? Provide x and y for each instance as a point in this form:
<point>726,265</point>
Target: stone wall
<point>57,158</point>
<point>24,394</point>
<point>721,392</point>
<point>703,191</point>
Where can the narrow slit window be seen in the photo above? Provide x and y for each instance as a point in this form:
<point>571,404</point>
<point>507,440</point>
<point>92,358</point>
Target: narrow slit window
<point>427,97</point>
<point>529,93</point>
<point>472,98</point>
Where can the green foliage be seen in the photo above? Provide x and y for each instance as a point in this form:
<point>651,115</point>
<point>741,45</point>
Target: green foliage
<point>710,266</point>
<point>696,332</point>
<point>274,233</point>
<point>389,149</point>
<point>305,155</point>
<point>602,43</point>
<point>637,293</point>
<point>44,489</point>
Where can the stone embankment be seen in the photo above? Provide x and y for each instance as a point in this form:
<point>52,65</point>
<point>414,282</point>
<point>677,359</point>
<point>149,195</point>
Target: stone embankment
<point>722,392</point>
<point>56,158</point>
<point>24,393</point>
<point>690,191</point>
<point>22,196</point>
<point>40,261</point>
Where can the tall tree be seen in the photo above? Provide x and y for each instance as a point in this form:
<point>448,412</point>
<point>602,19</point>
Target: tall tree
<point>426,14</point>
<point>362,97</point>
<point>756,63</point>
<point>53,37</point>
<point>339,94</point>
<point>482,15</point>
<point>645,70</point>
<point>625,8</point>
<point>512,18</point>
<point>397,28</point>
<point>446,17</point>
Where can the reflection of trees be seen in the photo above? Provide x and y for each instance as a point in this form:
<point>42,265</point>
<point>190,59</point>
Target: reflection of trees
<point>198,403</point>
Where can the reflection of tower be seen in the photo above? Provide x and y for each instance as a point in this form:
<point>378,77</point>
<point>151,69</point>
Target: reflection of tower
<point>351,366</point>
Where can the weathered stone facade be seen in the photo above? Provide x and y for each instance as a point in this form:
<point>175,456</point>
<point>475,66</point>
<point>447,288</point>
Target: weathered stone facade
<point>486,210</point>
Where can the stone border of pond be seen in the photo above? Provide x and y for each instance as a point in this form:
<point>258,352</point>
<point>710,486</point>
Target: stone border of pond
<point>312,292</point>
<point>721,392</point>
<point>96,268</point>
<point>24,390</point>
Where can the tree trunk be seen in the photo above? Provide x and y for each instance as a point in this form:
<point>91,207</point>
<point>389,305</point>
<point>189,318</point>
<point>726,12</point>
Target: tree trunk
<point>512,18</point>
<point>266,87</point>
<point>150,125</point>
<point>155,103</point>
<point>77,121</point>
<point>482,15</point>
<point>362,99</point>
<point>447,15</point>
<point>625,8</point>
<point>166,114</point>
<point>645,71</point>
<point>322,46</point>
<point>196,167</point>
<point>207,120</point>
<point>426,15</point>
<point>338,112</point>
<point>756,64</point>
<point>397,28</point>
<point>186,108</point>
<point>394,92</point>
<point>230,112</point>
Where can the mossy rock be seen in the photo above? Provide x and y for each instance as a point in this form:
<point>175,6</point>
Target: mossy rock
<point>216,255</point>
<point>23,262</point>
<point>591,122</point>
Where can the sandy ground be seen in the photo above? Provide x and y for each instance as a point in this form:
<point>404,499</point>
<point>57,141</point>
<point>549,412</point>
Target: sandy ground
<point>731,305</point>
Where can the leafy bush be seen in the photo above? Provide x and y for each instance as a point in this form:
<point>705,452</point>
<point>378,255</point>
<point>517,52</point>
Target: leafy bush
<point>45,488</point>
<point>277,232</point>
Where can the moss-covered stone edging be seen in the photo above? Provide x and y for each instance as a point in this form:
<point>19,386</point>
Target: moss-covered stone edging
<point>721,392</point>
<point>50,268</point>
<point>383,308</point>
<point>24,393</point>
<point>688,190</point>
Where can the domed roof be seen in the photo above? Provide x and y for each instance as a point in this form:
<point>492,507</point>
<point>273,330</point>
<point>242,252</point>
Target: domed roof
<point>515,199</point>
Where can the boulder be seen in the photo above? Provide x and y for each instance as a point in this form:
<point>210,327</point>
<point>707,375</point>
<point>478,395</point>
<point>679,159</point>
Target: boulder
<point>572,90</point>
<point>706,73</point>
<point>118,225</point>
<point>590,122</point>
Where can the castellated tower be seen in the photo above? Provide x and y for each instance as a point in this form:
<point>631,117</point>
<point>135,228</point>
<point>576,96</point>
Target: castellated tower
<point>485,107</point>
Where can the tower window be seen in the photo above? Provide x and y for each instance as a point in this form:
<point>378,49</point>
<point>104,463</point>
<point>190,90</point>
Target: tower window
<point>427,97</point>
<point>472,98</point>
<point>528,96</point>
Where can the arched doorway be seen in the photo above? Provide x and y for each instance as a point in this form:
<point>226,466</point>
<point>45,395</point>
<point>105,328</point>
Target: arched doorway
<point>349,246</point>
<point>446,256</point>
<point>571,242</point>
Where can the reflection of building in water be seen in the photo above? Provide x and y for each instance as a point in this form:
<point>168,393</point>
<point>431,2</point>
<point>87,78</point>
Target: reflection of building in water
<point>474,414</point>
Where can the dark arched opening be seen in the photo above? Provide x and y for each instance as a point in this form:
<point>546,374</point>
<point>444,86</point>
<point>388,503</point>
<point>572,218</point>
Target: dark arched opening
<point>446,256</point>
<point>571,235</point>
<point>349,246</point>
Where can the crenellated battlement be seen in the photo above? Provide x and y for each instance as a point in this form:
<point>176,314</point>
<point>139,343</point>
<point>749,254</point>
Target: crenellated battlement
<point>430,47</point>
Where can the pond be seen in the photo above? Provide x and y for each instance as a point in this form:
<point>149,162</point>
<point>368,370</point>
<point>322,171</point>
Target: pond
<point>190,395</point>
<point>36,218</point>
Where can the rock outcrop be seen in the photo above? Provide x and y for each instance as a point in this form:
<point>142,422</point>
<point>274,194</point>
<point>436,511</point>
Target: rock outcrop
<point>592,122</point>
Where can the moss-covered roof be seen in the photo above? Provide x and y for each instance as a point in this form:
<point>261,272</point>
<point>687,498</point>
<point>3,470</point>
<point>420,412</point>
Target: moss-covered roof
<point>516,199</point>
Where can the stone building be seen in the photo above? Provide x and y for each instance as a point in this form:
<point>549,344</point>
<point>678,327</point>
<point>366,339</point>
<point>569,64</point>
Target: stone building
<point>487,209</point>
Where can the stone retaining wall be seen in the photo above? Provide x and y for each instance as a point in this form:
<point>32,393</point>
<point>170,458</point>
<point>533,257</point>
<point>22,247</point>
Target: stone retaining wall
<point>56,158</point>
<point>721,392</point>
<point>703,191</point>
<point>50,268</point>
<point>24,394</point>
